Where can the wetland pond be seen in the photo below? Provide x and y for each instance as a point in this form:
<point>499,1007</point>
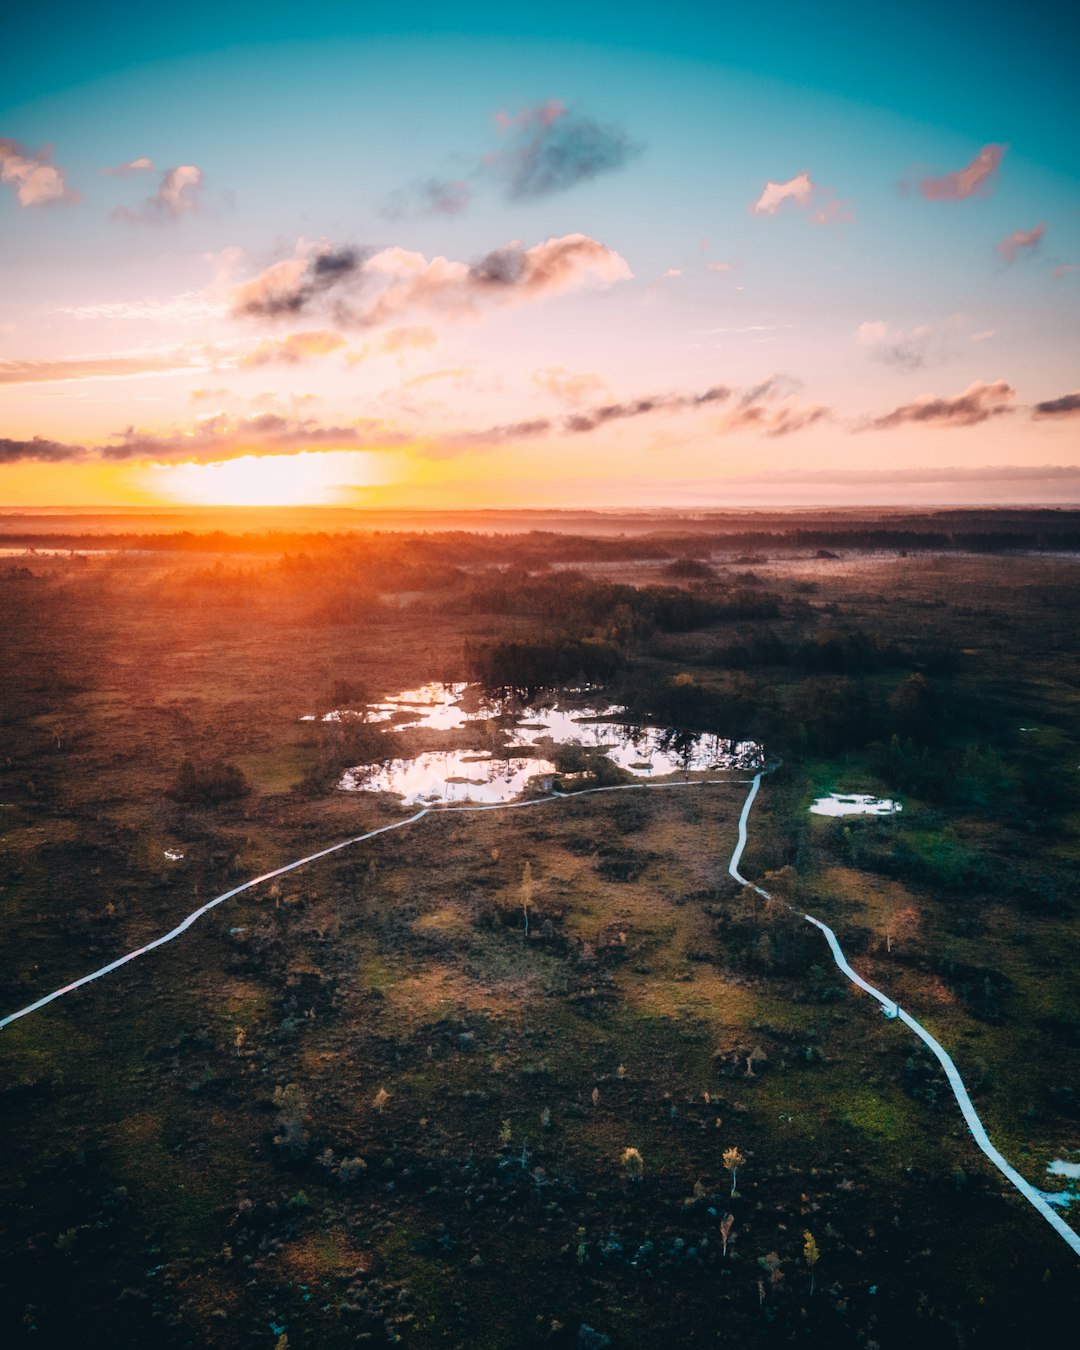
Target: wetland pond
<point>854,804</point>
<point>516,744</point>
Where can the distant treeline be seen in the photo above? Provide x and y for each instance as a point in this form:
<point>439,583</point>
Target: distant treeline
<point>448,548</point>
<point>651,538</point>
<point>987,540</point>
<point>576,602</point>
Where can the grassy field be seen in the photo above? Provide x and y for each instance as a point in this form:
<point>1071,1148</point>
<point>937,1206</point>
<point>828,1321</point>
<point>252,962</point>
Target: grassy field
<point>360,1104</point>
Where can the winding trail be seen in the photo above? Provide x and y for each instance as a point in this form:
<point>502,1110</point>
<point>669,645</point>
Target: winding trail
<point>893,1009</point>
<point>196,914</point>
<point>889,1006</point>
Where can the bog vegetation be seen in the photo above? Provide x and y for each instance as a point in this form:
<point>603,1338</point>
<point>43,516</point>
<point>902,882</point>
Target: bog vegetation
<point>542,1077</point>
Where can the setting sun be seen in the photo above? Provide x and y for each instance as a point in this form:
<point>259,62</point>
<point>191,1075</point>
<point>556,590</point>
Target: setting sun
<point>329,478</point>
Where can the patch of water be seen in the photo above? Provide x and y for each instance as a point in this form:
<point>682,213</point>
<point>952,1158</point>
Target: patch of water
<point>453,775</point>
<point>854,804</point>
<point>1060,1168</point>
<point>449,776</point>
<point>646,752</point>
<point>430,707</point>
<point>173,854</point>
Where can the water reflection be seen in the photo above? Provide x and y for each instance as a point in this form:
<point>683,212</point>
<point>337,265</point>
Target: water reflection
<point>854,804</point>
<point>449,776</point>
<point>509,724</point>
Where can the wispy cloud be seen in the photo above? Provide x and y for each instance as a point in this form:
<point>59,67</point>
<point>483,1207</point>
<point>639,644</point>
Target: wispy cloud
<point>362,288</point>
<point>36,179</point>
<point>294,349</point>
<point>412,337</point>
<point>911,350</point>
<point>982,474</point>
<point>978,403</point>
<point>222,436</point>
<point>543,150</point>
<point>574,424</point>
<point>185,305</point>
<point>428,197</point>
<point>140,165</point>
<point>772,409</point>
<point>617,412</point>
<point>551,148</point>
<point>769,409</point>
<point>1068,405</point>
<point>103,367</point>
<point>570,386</point>
<point>1021,243</point>
<point>743,328</point>
<point>179,194</point>
<point>976,177</point>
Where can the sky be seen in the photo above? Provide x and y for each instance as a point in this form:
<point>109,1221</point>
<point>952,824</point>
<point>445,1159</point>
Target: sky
<point>602,255</point>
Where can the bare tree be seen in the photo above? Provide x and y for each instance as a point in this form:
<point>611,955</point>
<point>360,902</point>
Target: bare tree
<point>726,1225</point>
<point>527,888</point>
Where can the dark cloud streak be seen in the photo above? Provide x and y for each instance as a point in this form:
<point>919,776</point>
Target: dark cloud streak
<point>976,404</point>
<point>38,449</point>
<point>1068,405</point>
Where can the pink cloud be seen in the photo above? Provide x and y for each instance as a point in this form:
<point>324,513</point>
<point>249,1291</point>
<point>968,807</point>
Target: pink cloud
<point>798,189</point>
<point>1021,242</point>
<point>365,289</point>
<point>140,165</point>
<point>1064,269</point>
<point>179,194</point>
<point>976,177</point>
<point>772,409</point>
<point>823,204</point>
<point>36,180</point>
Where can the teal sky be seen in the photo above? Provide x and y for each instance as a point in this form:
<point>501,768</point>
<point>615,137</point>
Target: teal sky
<point>905,302</point>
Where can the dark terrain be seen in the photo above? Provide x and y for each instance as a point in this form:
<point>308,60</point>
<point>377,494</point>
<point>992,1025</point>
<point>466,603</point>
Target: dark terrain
<point>361,1105</point>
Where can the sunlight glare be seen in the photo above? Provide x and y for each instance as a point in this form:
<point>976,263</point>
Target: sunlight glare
<point>323,478</point>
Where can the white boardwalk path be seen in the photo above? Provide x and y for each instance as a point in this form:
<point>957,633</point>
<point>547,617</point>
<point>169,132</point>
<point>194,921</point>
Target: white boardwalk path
<point>890,1008</point>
